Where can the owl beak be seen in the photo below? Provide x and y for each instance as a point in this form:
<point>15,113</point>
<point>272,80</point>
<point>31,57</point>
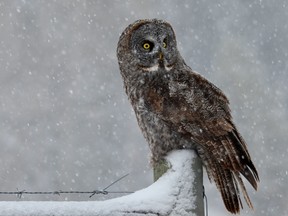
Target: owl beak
<point>161,59</point>
<point>161,56</point>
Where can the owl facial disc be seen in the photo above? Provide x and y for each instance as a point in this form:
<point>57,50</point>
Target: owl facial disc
<point>154,46</point>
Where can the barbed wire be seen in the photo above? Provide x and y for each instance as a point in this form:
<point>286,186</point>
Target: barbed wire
<point>20,193</point>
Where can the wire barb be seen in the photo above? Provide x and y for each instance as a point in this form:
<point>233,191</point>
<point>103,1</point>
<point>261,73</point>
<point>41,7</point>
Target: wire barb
<point>104,190</point>
<point>20,193</point>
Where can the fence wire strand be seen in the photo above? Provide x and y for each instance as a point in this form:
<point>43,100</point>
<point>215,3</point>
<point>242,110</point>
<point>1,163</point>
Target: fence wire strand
<point>20,193</point>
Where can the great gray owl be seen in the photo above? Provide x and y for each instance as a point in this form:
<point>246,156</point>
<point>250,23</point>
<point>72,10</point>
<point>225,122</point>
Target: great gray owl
<point>177,108</point>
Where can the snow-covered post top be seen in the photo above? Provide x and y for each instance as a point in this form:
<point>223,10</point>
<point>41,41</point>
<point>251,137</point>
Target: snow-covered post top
<point>189,166</point>
<point>177,192</point>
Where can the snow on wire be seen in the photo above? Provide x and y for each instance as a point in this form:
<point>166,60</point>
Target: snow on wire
<point>59,192</point>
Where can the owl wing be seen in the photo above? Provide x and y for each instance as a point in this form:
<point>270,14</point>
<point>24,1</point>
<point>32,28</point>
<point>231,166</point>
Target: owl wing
<point>199,111</point>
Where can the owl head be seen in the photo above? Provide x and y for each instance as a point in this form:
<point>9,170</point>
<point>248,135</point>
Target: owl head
<point>147,46</point>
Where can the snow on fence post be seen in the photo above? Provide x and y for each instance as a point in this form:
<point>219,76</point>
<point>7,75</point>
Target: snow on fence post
<point>196,208</point>
<point>178,192</point>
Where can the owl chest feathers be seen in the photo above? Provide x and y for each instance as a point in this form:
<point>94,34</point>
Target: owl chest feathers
<point>167,96</point>
<point>155,100</point>
<point>159,95</point>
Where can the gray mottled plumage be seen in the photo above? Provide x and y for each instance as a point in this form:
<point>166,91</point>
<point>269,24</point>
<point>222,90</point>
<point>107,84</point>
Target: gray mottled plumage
<point>177,108</point>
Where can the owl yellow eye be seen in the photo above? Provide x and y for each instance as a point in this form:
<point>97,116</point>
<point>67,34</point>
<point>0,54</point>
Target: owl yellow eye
<point>146,46</point>
<point>164,44</point>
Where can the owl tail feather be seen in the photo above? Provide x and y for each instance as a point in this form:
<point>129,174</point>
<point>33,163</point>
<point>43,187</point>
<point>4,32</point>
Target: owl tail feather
<point>243,189</point>
<point>245,164</point>
<point>227,183</point>
<point>228,188</point>
<point>228,178</point>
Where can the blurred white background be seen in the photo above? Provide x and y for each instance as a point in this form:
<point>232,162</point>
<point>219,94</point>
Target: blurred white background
<point>66,123</point>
